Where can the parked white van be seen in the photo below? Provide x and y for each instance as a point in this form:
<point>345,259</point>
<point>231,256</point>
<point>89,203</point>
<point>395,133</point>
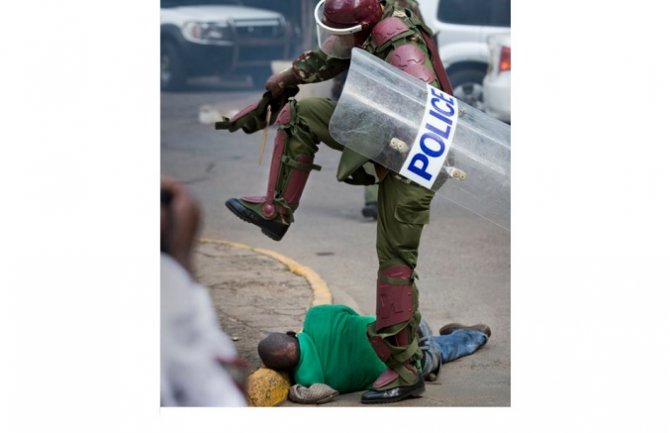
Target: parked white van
<point>462,28</point>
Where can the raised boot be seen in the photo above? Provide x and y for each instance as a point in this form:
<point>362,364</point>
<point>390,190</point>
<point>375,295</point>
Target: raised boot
<point>273,213</point>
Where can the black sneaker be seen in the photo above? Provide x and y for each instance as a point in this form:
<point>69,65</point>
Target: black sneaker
<point>451,327</point>
<point>370,210</point>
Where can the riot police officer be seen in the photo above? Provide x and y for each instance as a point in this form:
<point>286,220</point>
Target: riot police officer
<point>399,36</point>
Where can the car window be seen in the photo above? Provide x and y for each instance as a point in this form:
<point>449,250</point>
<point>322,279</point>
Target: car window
<point>475,12</point>
<point>175,3</point>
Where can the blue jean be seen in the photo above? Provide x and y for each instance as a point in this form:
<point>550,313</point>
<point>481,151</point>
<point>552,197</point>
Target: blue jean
<point>459,343</point>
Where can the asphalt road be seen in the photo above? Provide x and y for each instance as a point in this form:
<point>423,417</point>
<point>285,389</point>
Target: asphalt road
<point>464,261</point>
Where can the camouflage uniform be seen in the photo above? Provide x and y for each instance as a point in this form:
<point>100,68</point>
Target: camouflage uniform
<point>404,207</point>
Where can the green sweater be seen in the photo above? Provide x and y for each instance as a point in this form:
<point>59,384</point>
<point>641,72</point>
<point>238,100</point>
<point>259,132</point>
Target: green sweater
<point>334,349</point>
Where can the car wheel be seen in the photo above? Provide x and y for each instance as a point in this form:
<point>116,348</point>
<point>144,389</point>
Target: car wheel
<point>467,85</point>
<point>260,75</point>
<point>173,73</point>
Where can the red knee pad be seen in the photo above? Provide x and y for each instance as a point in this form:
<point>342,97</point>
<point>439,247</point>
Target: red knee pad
<point>394,301</point>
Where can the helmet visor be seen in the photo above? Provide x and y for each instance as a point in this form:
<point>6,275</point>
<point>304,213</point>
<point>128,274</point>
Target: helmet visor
<point>334,41</point>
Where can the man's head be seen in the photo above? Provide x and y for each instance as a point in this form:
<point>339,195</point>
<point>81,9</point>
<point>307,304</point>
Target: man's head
<point>343,24</point>
<point>280,352</point>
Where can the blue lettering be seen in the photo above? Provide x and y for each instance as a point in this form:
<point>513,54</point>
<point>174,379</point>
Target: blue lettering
<point>446,131</point>
<point>443,96</point>
<point>444,134</point>
<point>434,135</point>
<point>427,150</point>
<point>420,171</point>
<point>450,107</point>
<point>446,120</point>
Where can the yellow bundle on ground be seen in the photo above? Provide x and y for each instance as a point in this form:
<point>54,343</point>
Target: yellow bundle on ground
<point>267,387</point>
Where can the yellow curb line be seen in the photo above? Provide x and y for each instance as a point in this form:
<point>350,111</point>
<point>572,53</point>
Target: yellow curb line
<point>320,292</point>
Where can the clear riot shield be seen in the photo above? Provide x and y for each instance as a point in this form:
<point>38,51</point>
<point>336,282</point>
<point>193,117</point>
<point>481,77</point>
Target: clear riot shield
<point>425,135</point>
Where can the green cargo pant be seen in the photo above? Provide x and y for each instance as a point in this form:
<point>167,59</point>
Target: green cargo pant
<point>403,207</point>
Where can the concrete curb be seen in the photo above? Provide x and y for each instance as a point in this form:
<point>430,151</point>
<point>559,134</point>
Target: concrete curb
<point>320,292</point>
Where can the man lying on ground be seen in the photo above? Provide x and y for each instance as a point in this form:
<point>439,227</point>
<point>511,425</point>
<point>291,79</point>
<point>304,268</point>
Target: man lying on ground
<point>333,355</point>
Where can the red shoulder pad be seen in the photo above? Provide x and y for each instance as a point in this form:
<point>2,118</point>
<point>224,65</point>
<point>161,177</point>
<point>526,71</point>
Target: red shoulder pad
<point>412,60</point>
<point>387,29</point>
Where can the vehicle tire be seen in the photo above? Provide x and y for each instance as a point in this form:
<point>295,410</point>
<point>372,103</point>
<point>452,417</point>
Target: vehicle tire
<point>173,72</point>
<point>467,85</point>
<point>260,75</point>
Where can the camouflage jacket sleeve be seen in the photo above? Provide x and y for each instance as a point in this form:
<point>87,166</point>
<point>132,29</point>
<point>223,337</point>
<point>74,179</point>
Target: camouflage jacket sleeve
<point>314,66</point>
<point>412,5</point>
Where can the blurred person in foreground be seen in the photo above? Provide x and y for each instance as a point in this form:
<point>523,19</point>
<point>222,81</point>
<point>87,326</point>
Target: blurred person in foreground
<point>199,363</point>
<point>332,355</point>
<point>391,31</point>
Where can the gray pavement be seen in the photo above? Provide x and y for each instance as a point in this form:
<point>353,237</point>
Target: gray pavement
<point>254,294</point>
